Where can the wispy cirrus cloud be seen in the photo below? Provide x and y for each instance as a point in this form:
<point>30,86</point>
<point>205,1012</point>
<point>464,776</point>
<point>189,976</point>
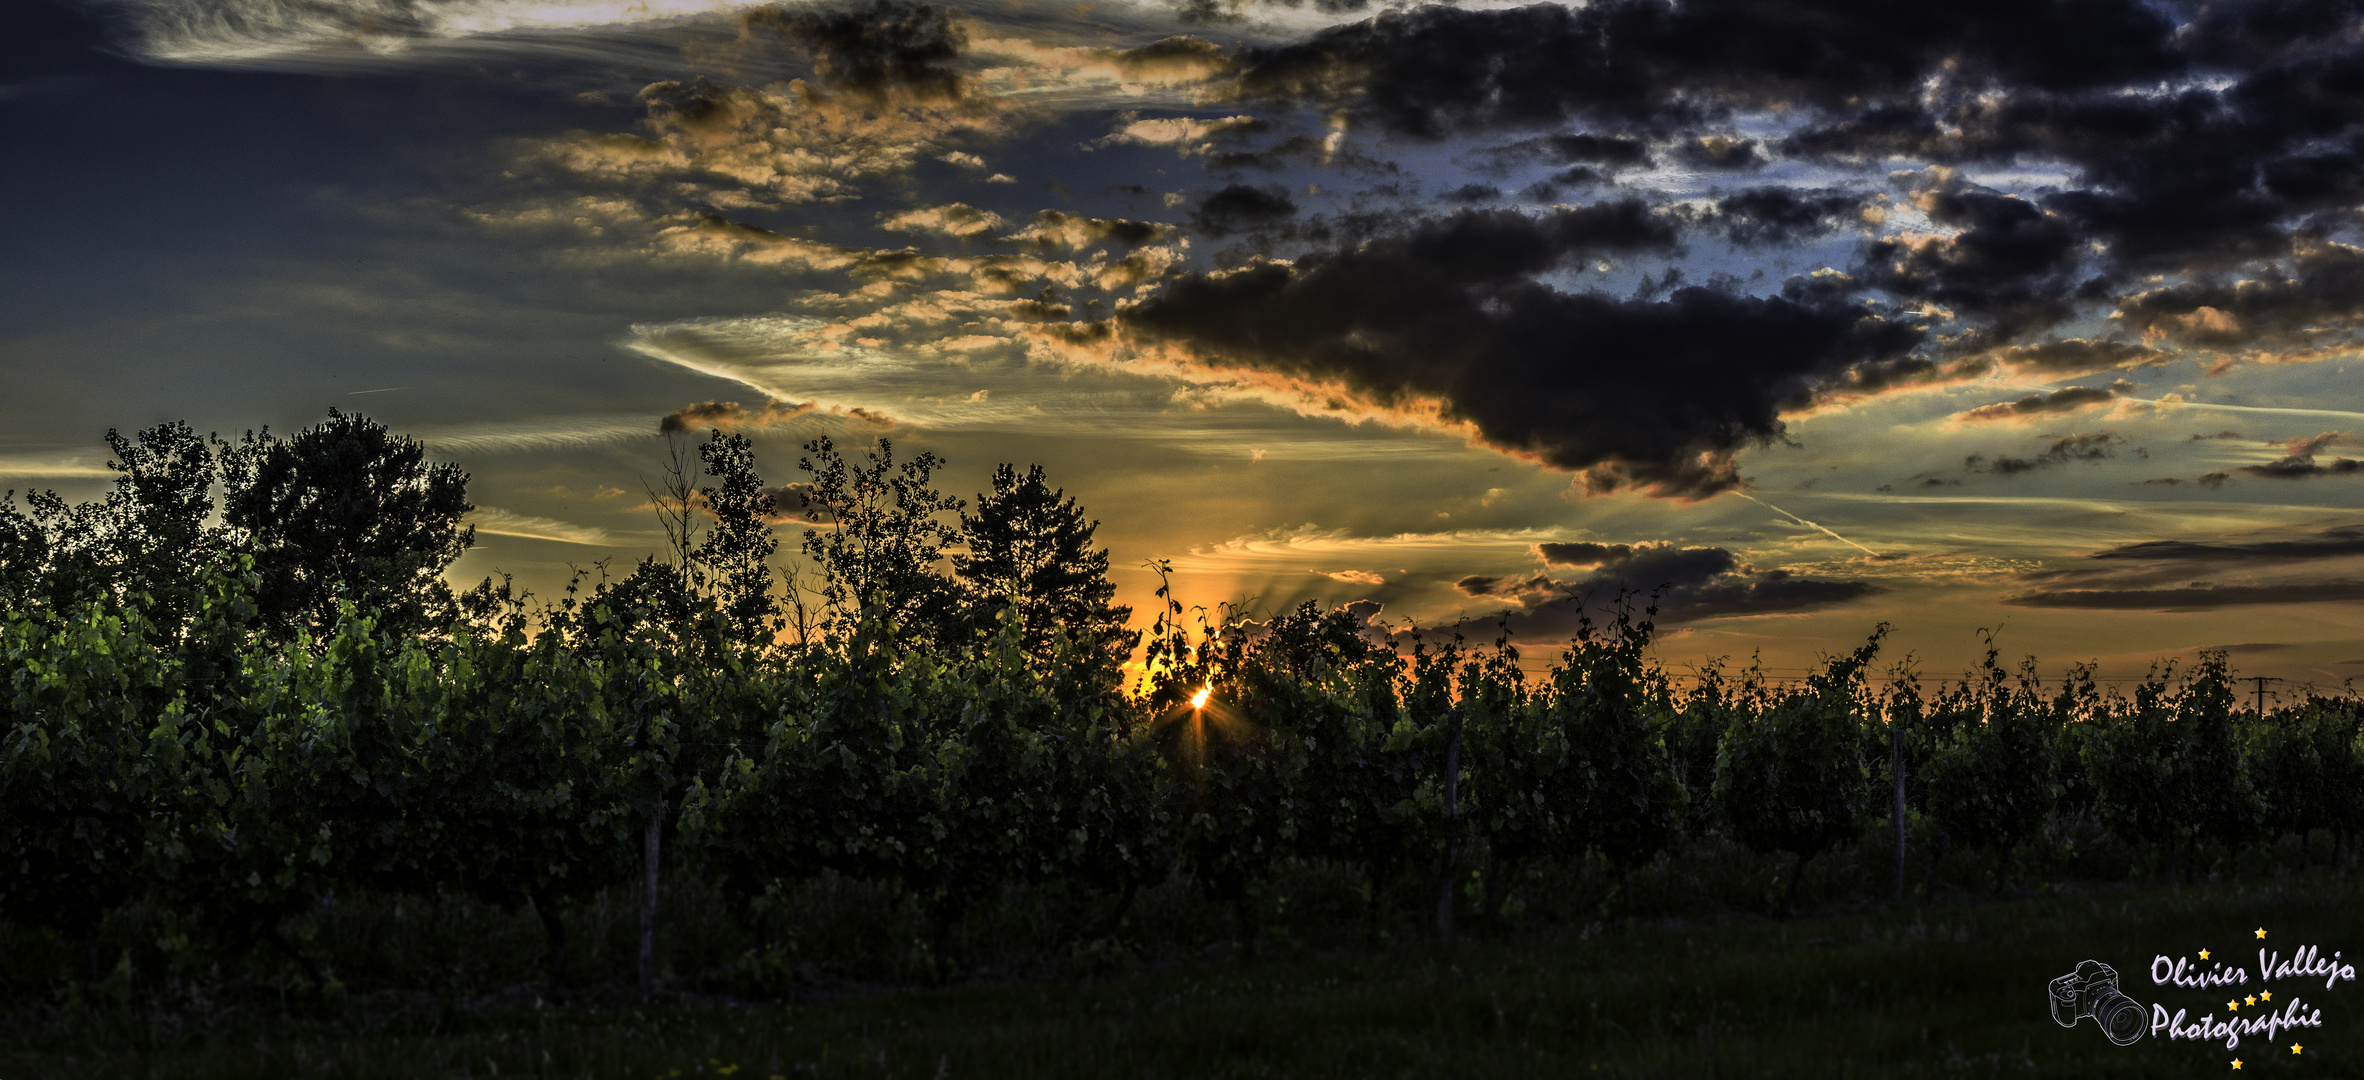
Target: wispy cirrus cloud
<point>357,33</point>
<point>59,466</point>
<point>549,433</point>
<point>499,522</point>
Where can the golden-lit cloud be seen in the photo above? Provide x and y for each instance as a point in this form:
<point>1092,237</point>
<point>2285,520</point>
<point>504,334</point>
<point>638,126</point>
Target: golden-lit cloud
<point>2065,399</point>
<point>958,220</point>
<point>1037,68</point>
<point>1186,134</point>
<point>778,145</point>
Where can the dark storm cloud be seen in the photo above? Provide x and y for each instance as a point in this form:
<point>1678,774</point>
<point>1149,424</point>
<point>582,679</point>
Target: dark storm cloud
<point>2206,480</point>
<point>2076,356</point>
<point>1655,65</point>
<point>2328,543</point>
<point>1272,158</point>
<point>2092,447</point>
<point>2065,399</point>
<point>2298,461</point>
<point>1239,208</point>
<point>1688,583</point>
<point>872,49</point>
<point>1779,216</point>
<point>727,416</point>
<point>1478,585</point>
<point>2247,34</point>
<point>1720,153</point>
<point>1532,589</point>
<point>1634,391</point>
<point>2323,288</point>
<point>2010,265</point>
<point>2198,178</point>
<point>1578,148</point>
<point>792,503</point>
<point>1581,554</point>
<point>2303,468</point>
<point>2139,568</point>
<point>2193,597</point>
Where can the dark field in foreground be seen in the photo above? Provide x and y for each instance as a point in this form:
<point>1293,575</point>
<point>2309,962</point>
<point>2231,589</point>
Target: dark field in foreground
<point>1936,991</point>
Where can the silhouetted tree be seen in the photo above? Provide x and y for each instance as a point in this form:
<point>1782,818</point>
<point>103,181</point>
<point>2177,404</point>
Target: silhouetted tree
<point>1030,549</point>
<point>346,510</point>
<point>144,544</point>
<point>734,561</point>
<point>882,540</point>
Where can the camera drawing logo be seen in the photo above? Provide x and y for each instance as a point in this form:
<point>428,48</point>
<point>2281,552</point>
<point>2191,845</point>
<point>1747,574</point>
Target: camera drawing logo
<point>2092,990</point>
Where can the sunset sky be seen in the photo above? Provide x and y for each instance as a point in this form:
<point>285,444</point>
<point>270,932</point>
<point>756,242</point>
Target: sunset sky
<point>1997,313</point>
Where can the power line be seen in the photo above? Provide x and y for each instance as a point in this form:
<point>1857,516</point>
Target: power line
<point>2260,680</point>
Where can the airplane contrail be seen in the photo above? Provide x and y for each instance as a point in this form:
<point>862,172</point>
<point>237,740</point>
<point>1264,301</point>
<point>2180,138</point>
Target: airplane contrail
<point>1806,523</point>
<point>2248,408</point>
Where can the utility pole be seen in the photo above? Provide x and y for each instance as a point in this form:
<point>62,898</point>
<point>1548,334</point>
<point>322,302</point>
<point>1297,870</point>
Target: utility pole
<point>2261,680</point>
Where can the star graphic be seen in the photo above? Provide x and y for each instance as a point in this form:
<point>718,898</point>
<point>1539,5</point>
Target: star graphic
<point>2203,954</point>
<point>2261,931</point>
<point>2295,1048</point>
<point>2265,995</point>
<point>2250,1000</point>
<point>2236,1063</point>
<point>2232,1006</point>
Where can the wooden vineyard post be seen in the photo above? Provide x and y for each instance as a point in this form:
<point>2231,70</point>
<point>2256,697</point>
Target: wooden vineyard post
<point>1444,888</point>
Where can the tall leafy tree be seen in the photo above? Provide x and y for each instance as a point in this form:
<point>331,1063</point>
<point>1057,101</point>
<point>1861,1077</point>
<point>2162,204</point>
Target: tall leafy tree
<point>145,543</point>
<point>1030,550</point>
<point>159,538</point>
<point>346,511</point>
<point>882,538</point>
<point>734,560</point>
<point>24,551</point>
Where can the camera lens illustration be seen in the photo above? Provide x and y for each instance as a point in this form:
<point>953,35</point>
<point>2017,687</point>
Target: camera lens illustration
<point>2092,990</point>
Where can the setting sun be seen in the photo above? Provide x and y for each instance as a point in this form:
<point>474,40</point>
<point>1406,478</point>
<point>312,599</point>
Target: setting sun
<point>1199,700</point>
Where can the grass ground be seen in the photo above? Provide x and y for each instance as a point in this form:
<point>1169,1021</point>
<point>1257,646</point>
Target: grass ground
<point>1931,991</point>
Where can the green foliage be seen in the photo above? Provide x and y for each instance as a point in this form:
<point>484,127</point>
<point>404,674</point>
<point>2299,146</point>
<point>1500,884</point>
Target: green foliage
<point>239,725</point>
<point>1612,703</point>
<point>1371,745</point>
<point>91,734</point>
<point>2306,767</point>
<point>1991,776</point>
<point>2169,769</point>
<point>1792,778</point>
